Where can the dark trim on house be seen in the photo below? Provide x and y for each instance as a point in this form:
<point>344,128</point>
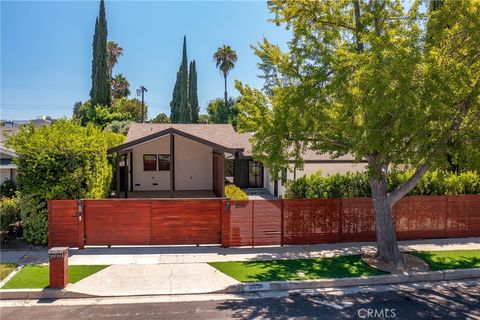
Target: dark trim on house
<point>172,164</point>
<point>117,174</point>
<point>131,171</point>
<point>172,131</point>
<point>126,175</point>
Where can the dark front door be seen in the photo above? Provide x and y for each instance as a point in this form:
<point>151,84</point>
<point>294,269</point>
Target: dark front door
<point>255,174</point>
<point>122,178</point>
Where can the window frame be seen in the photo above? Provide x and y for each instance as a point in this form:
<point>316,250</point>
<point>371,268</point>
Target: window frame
<point>151,155</point>
<point>161,160</point>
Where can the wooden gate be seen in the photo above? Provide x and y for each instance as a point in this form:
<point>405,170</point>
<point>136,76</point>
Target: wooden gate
<point>152,222</point>
<point>134,222</point>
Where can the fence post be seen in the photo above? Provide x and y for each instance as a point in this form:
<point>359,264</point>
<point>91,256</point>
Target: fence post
<point>50,224</point>
<point>81,224</point>
<point>282,223</point>
<point>340,220</point>
<point>446,216</point>
<point>253,221</point>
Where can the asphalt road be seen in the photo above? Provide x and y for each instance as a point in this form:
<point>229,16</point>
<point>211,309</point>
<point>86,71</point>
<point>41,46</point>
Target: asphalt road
<point>445,302</point>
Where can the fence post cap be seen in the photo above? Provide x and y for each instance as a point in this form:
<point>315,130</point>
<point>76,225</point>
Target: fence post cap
<point>58,250</point>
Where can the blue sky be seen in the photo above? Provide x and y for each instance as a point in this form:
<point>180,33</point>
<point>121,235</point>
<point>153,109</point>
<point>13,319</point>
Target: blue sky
<point>46,49</point>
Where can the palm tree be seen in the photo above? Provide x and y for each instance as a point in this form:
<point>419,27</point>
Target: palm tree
<point>114,51</point>
<point>120,86</point>
<point>225,59</point>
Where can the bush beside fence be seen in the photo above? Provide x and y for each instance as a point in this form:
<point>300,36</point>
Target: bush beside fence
<point>352,185</point>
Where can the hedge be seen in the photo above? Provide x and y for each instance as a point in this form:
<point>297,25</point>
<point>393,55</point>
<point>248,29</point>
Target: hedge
<point>60,161</point>
<point>353,185</point>
<point>233,192</point>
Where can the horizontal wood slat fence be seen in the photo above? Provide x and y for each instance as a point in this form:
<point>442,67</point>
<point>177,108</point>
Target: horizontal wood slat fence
<point>76,223</point>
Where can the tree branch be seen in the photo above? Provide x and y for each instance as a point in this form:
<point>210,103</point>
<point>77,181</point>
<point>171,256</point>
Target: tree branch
<point>408,185</point>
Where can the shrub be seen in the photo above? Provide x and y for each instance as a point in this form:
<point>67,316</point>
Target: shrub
<point>353,185</point>
<point>233,192</point>
<point>9,212</point>
<point>34,219</point>
<point>7,189</point>
<point>61,161</point>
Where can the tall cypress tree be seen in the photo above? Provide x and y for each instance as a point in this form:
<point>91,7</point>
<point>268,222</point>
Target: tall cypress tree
<point>175,103</point>
<point>179,106</point>
<point>100,92</point>
<point>192,93</point>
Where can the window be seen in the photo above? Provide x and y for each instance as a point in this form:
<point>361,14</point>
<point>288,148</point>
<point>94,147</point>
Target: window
<point>163,162</point>
<point>149,162</point>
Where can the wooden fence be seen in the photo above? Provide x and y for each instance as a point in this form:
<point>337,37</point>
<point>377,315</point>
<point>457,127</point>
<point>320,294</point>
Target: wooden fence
<point>76,223</point>
<point>311,221</point>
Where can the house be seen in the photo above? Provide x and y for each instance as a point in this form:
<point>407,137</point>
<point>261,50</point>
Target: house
<point>190,160</point>
<point>8,170</point>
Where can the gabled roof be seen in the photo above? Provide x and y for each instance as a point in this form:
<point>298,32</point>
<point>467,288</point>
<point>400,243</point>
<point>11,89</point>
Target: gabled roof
<point>219,136</point>
<point>7,151</point>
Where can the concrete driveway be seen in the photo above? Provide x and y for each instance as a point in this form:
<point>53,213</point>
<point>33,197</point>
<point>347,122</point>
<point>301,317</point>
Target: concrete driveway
<point>118,280</point>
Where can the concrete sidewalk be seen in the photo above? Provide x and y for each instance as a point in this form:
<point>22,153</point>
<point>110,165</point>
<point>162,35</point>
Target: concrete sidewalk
<point>191,254</point>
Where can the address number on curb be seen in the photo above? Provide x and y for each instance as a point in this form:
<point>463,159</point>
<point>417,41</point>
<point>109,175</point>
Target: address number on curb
<point>257,286</point>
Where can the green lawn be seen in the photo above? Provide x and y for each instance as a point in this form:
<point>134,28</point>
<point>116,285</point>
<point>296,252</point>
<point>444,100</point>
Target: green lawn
<point>296,269</point>
<point>35,276</point>
<point>6,269</point>
<point>451,259</point>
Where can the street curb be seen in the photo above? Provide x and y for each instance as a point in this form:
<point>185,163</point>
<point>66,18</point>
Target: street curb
<point>46,293</point>
<point>444,275</point>
<point>356,281</point>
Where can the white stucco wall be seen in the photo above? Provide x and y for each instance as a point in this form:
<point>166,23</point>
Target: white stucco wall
<point>146,179</point>
<point>193,165</point>
<point>310,168</point>
<point>5,175</point>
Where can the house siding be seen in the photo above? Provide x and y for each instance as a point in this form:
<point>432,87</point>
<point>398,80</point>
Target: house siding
<point>193,165</point>
<point>146,179</point>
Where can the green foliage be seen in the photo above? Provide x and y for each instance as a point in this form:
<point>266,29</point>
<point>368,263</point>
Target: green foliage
<point>100,92</point>
<point>99,115</point>
<point>233,192</point>
<point>161,118</point>
<point>390,83</point>
<point>120,127</point>
<point>60,161</point>
<point>7,189</point>
<point>184,105</point>
<point>220,113</point>
<point>353,185</point>
<point>9,212</point>
<point>192,93</point>
<point>204,118</point>
<point>131,108</point>
<point>34,218</point>
<point>120,86</point>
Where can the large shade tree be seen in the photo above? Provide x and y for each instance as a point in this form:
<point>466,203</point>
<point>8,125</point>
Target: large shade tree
<point>225,58</point>
<point>390,84</point>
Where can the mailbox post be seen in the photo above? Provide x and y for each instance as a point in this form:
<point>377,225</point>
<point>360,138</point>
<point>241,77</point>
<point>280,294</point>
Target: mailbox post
<point>58,258</point>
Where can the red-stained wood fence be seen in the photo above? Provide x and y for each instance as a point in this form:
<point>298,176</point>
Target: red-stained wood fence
<point>312,221</point>
<point>76,223</point>
<point>134,222</point>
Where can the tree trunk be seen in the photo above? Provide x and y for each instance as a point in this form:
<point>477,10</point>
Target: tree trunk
<point>388,250</point>
<point>226,97</point>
